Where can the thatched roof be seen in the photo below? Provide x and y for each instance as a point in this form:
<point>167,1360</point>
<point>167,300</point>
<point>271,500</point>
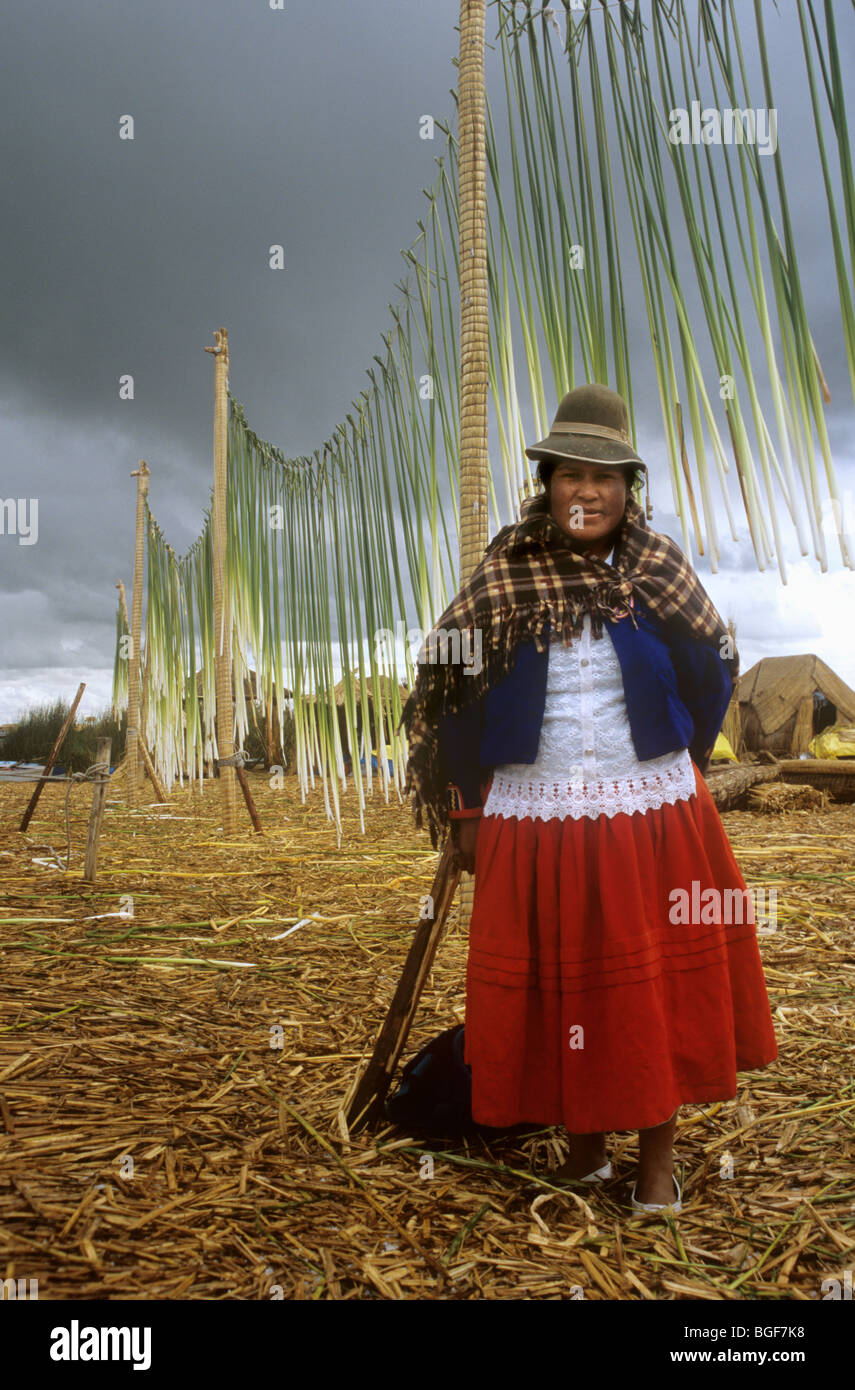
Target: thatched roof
<point>776,686</point>
<point>385,682</point>
<point>386,687</point>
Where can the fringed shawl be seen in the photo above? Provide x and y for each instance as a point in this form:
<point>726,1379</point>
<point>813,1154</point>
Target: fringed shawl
<point>530,582</point>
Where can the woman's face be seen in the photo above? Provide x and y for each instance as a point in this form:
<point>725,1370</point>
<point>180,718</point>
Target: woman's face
<point>587,500</point>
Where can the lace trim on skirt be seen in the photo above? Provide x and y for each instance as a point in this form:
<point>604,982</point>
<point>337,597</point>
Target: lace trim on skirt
<point>558,800</point>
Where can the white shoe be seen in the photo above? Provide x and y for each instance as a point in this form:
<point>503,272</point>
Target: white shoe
<point>658,1206</point>
<point>599,1175</point>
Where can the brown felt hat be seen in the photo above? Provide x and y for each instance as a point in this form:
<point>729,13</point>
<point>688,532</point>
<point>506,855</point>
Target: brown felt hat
<point>591,424</point>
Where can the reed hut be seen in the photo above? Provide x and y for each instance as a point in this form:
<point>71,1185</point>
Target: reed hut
<point>784,701</point>
<point>732,726</point>
<point>386,688</point>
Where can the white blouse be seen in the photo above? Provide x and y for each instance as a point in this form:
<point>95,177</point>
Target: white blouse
<point>586,763</point>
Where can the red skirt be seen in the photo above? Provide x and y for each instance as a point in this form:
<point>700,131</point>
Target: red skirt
<point>596,997</point>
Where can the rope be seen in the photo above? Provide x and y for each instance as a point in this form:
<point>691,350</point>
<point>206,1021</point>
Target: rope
<point>88,776</point>
<point>239,759</point>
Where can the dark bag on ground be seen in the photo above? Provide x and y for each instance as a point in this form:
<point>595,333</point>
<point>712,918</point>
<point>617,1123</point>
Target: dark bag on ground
<point>435,1093</point>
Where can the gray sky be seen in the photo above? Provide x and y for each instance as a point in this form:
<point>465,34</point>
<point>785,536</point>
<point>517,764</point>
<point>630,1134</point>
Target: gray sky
<point>253,127</point>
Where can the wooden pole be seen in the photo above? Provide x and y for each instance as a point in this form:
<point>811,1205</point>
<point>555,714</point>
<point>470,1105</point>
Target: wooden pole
<point>474,310</point>
<point>222,602</point>
<point>367,1104</point>
<point>99,796</point>
<point>60,739</point>
<point>248,798</point>
<point>157,785</point>
<point>133,730</point>
<point>474,381</point>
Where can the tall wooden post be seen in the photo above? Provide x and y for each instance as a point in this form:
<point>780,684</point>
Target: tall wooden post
<point>222,602</point>
<point>132,736</point>
<point>366,1104</point>
<point>474,304</point>
<point>54,753</point>
<point>474,309</point>
<point>99,796</point>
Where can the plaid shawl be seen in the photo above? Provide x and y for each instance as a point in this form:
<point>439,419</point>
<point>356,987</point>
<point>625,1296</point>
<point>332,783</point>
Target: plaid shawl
<point>531,580</point>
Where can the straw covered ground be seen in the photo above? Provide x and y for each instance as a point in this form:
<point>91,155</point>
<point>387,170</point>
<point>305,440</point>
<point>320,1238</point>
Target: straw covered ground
<point>155,1145</point>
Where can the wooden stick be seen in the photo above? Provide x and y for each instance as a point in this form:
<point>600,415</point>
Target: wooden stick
<point>222,603</point>
<point>371,1092</point>
<point>99,796</point>
<point>132,736</point>
<point>159,793</point>
<point>247,796</point>
<point>69,720</point>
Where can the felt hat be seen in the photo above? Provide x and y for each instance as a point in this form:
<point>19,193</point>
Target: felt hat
<point>591,424</point>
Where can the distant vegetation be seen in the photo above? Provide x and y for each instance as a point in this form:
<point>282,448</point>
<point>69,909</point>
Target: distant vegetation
<point>36,734</point>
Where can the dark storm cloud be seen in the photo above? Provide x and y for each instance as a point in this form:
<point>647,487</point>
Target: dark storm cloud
<point>252,127</point>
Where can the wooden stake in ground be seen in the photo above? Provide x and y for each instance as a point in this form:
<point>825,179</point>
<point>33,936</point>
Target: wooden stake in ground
<point>60,739</point>
<point>99,796</point>
<point>157,785</point>
<point>159,793</point>
<point>222,601</point>
<point>237,764</point>
<point>367,1104</point>
<point>132,736</point>
<point>247,796</point>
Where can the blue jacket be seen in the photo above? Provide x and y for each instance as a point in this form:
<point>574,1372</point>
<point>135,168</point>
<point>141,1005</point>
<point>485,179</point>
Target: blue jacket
<point>677,690</point>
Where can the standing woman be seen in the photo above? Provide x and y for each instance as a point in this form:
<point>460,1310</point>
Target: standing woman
<point>609,978</point>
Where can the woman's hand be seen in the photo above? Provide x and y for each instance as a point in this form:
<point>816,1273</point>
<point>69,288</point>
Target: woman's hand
<point>464,837</point>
